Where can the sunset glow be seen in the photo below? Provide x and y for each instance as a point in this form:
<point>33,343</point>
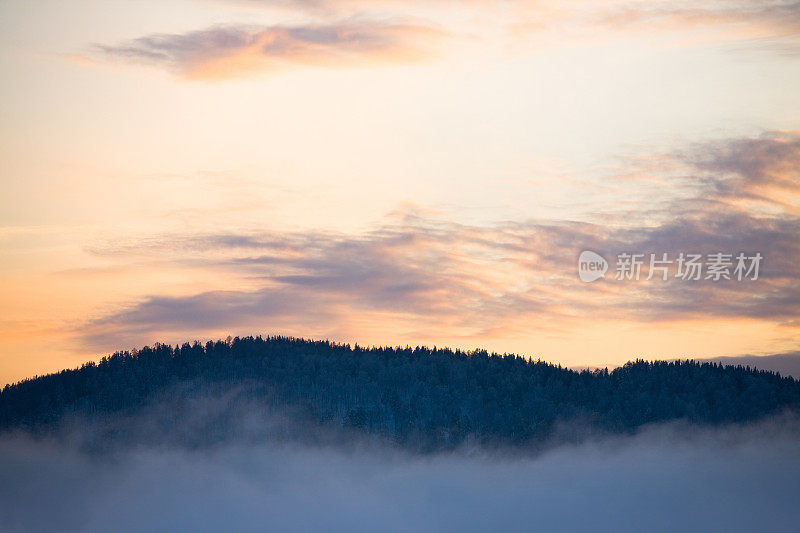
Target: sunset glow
<point>395,172</point>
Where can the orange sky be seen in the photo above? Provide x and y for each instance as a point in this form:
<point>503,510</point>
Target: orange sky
<point>395,172</point>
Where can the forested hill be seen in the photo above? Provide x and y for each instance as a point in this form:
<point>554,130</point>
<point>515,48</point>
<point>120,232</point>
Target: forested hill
<point>420,397</point>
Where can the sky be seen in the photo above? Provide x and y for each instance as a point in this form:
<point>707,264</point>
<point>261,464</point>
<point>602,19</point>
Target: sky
<point>396,172</point>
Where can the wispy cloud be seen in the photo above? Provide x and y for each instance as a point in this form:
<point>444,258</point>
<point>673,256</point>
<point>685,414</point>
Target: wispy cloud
<point>762,169</point>
<point>782,17</point>
<point>347,33</point>
<point>726,19</point>
<point>235,50</point>
<point>428,273</point>
<point>745,25</point>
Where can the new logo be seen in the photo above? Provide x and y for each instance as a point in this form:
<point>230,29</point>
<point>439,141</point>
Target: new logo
<point>591,266</point>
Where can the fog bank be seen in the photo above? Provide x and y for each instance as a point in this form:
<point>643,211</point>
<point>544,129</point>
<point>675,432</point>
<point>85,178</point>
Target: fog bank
<point>667,478</point>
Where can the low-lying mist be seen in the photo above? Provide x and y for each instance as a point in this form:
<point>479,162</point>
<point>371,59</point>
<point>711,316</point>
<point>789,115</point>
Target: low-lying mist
<point>671,477</point>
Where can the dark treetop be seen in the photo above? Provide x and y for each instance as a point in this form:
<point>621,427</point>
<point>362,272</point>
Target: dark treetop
<point>417,397</point>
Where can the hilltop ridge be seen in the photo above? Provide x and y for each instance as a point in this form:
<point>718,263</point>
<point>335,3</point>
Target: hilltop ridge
<point>422,398</point>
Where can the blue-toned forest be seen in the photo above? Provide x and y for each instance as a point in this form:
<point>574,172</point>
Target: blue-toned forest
<point>420,398</point>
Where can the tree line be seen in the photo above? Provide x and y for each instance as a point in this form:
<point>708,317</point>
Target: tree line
<point>426,398</point>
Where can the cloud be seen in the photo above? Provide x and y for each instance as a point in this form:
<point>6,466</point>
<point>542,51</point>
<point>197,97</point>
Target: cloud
<point>229,51</point>
<point>770,25</point>
<point>765,169</point>
<point>409,274</point>
<point>663,479</point>
<point>781,16</point>
<point>473,278</point>
<point>433,277</point>
<point>745,25</point>
<point>235,50</point>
